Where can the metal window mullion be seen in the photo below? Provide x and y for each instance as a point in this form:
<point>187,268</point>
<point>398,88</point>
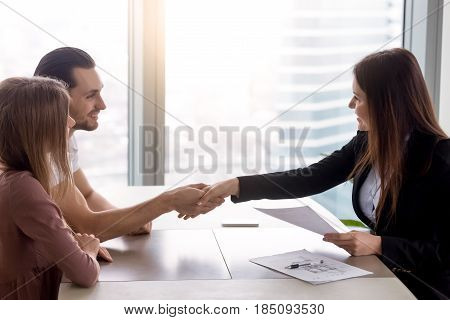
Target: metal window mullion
<point>423,37</point>
<point>146,94</point>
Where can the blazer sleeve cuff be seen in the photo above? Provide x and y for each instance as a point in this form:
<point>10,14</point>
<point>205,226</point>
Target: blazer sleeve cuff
<point>247,190</point>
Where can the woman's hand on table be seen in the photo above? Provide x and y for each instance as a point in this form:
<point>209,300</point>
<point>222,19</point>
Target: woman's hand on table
<point>104,255</point>
<point>88,243</point>
<point>357,243</point>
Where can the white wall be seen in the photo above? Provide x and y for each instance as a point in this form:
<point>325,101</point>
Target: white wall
<point>444,100</point>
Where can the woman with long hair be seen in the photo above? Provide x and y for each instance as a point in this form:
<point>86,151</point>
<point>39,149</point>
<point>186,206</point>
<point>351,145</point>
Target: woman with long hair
<point>400,165</point>
<point>36,245</point>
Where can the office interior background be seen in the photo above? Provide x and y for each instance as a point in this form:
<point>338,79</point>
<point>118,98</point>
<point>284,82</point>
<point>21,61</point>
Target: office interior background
<point>285,64</point>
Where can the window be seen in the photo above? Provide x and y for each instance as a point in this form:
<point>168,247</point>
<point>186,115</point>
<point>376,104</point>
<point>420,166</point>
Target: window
<point>237,69</point>
<point>250,86</point>
<point>30,29</point>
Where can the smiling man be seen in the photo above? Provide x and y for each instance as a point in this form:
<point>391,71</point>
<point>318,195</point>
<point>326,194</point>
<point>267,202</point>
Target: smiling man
<point>84,208</point>
<point>77,69</point>
<point>87,101</point>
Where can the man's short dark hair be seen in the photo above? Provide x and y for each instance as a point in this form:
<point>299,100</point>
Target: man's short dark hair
<point>59,63</point>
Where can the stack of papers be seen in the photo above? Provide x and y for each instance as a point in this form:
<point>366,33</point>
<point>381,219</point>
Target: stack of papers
<point>308,219</point>
<point>310,267</point>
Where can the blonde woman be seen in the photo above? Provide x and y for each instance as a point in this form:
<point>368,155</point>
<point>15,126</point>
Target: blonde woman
<point>36,246</point>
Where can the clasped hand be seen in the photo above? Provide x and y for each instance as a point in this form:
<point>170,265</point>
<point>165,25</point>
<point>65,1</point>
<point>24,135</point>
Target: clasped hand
<point>186,200</point>
<point>206,198</point>
<point>209,197</point>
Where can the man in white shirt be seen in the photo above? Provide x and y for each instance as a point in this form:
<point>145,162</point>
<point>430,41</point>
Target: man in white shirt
<point>85,209</point>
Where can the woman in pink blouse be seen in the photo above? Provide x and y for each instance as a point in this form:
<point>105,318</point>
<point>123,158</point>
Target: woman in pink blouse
<point>36,245</point>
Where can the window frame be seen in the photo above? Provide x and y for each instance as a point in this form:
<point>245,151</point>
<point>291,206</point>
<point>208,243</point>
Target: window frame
<point>146,94</point>
<point>422,35</point>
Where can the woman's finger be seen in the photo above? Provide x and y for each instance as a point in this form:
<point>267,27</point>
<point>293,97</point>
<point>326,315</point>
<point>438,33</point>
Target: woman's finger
<point>350,250</point>
<point>338,236</point>
<point>341,242</point>
<point>104,254</point>
<point>210,194</point>
<point>205,206</point>
<point>199,186</point>
<point>218,201</point>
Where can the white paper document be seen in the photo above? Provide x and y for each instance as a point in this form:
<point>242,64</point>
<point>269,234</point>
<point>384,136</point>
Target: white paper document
<point>310,267</point>
<point>308,219</point>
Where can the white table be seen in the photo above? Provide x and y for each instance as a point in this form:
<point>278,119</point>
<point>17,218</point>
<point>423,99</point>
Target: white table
<point>154,267</point>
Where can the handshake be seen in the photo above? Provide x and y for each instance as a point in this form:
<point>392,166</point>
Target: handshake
<point>195,199</point>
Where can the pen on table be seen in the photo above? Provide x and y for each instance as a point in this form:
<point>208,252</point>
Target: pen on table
<point>296,265</point>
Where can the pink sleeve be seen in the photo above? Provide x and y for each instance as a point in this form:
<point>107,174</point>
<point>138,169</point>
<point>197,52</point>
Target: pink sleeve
<point>40,219</point>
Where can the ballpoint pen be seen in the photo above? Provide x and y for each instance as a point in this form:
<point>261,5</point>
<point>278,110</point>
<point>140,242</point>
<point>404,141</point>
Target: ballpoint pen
<point>296,265</point>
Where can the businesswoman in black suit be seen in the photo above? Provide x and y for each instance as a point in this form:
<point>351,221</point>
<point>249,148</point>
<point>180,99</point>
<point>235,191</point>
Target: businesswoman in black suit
<point>400,163</point>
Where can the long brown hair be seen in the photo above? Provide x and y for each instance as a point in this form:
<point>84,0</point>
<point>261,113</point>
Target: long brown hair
<point>33,131</point>
<point>398,103</point>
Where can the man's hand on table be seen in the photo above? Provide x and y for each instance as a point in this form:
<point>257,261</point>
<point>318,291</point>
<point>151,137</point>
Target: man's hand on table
<point>145,229</point>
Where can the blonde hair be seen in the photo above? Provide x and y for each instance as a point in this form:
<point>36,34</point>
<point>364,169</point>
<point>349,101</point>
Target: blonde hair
<point>33,131</point>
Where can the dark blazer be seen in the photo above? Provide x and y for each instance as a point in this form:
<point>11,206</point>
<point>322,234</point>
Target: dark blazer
<point>416,243</point>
